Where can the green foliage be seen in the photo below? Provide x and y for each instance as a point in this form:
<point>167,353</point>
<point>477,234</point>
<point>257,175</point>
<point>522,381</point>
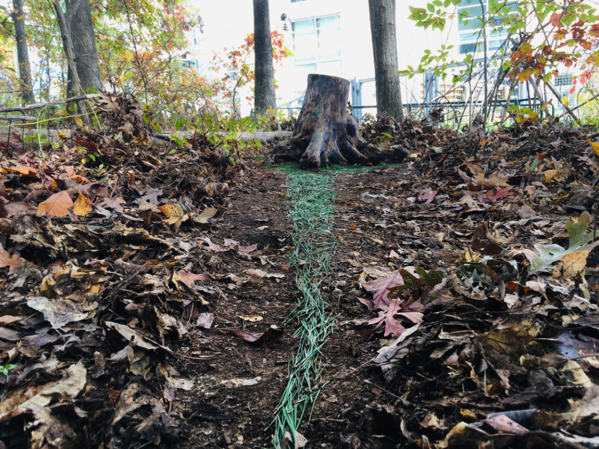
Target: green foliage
<point>565,34</point>
<point>421,285</point>
<point>4,369</point>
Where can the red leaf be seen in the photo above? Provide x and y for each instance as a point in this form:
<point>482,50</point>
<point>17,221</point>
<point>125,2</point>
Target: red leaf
<point>381,287</point>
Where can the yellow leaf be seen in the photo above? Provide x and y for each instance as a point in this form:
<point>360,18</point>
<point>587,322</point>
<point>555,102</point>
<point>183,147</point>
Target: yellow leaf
<point>95,288</point>
<point>62,136</point>
<point>549,175</point>
<point>78,121</point>
<point>171,210</point>
<point>56,206</point>
<point>595,146</point>
<point>571,264</point>
<point>565,101</point>
<point>82,205</point>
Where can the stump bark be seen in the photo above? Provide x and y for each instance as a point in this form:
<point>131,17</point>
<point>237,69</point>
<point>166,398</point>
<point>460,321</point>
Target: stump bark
<point>325,133</point>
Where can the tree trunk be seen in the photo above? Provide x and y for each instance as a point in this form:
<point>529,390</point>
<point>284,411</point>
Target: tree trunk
<point>78,17</point>
<point>384,46</point>
<point>264,92</point>
<point>326,134</point>
<point>67,44</point>
<point>18,17</point>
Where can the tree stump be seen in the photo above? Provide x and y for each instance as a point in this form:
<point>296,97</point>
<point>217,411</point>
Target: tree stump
<point>325,133</point>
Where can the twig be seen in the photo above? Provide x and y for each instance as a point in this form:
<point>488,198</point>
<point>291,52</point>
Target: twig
<point>32,107</point>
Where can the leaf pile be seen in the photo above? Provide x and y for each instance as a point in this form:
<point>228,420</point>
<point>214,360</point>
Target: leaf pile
<point>494,236</point>
<point>101,272</point>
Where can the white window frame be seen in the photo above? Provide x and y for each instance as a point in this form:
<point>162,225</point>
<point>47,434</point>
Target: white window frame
<point>318,61</point>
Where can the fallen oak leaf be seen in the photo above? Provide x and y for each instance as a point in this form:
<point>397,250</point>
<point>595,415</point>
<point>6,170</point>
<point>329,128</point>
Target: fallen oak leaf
<point>6,260</point>
<point>392,326</point>
<point>381,286</point>
<point>213,246</point>
<point>82,205</point>
<point>273,332</point>
<point>189,278</point>
<point>497,192</point>
<point>57,205</point>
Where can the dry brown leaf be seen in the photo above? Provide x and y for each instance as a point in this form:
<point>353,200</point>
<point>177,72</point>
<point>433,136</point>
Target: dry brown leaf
<point>495,181</point>
<point>171,210</point>
<point>56,206</point>
<point>571,264</point>
<point>189,278</point>
<point>23,170</point>
<point>82,205</point>
<point>252,318</point>
<point>549,175</point>
<point>7,261</point>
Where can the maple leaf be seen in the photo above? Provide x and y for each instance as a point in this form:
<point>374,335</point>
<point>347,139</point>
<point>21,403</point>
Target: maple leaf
<point>7,261</point>
<point>381,286</point>
<point>82,205</point>
<point>56,206</point>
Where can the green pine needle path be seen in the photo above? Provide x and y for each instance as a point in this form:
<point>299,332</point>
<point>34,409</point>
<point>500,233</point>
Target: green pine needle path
<point>312,204</point>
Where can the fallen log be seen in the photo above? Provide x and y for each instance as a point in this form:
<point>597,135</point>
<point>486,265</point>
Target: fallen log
<point>325,133</point>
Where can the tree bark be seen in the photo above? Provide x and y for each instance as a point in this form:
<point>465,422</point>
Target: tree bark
<point>264,92</point>
<point>78,17</point>
<point>18,17</point>
<point>67,44</point>
<point>326,134</point>
<point>384,46</point>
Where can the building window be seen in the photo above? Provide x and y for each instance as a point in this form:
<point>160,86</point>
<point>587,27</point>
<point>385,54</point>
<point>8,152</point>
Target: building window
<point>469,27</point>
<point>563,80</point>
<point>317,44</point>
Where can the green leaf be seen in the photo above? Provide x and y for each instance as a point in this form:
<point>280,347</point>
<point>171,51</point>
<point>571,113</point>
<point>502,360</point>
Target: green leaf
<point>430,7</point>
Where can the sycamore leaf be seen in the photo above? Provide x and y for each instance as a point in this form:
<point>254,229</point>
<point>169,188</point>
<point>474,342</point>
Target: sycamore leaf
<point>56,206</point>
<point>82,205</point>
<point>548,255</point>
<point>7,261</point>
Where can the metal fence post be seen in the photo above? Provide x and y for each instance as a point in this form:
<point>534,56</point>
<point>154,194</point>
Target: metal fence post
<point>356,97</point>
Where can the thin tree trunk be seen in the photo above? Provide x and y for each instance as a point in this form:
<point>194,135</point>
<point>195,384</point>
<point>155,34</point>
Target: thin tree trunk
<point>67,43</point>
<point>384,45</point>
<point>78,18</point>
<point>265,96</point>
<point>18,17</point>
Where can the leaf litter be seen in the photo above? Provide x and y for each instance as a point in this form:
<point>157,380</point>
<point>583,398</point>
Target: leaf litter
<point>488,335</point>
<point>107,285</point>
<point>495,243</point>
